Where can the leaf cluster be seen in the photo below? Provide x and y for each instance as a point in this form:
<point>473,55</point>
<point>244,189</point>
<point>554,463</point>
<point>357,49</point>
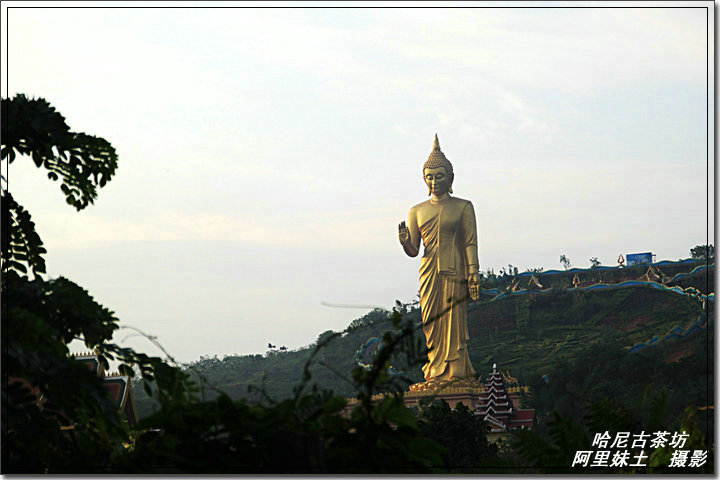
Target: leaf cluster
<point>21,245</point>
<point>83,162</point>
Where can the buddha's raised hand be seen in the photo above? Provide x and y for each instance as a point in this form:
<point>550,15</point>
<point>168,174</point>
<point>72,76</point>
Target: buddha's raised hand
<point>403,233</point>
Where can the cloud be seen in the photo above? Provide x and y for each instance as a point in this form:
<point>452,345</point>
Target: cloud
<point>575,50</point>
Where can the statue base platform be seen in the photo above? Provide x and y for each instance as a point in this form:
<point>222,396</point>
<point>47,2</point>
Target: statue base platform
<point>465,390</point>
<point>434,386</point>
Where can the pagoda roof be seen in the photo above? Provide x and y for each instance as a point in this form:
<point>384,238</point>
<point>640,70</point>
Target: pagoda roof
<point>496,411</point>
<point>492,402</point>
<point>500,426</point>
<point>493,388</point>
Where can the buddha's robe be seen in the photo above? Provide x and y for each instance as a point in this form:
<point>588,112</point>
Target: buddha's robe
<point>449,236</point>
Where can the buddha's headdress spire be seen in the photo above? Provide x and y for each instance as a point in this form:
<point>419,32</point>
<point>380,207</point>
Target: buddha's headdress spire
<point>438,159</point>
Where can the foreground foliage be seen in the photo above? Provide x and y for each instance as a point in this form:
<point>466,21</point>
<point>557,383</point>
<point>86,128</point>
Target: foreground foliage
<point>464,435</point>
<point>307,433</point>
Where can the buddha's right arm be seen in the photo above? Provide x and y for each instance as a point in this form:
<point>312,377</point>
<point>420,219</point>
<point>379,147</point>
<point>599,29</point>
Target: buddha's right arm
<point>412,246</point>
<point>410,249</point>
<point>470,231</point>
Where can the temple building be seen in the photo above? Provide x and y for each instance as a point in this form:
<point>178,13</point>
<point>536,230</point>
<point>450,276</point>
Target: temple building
<point>118,386</point>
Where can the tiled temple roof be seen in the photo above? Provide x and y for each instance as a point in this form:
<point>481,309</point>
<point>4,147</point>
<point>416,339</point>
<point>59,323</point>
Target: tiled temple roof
<point>118,386</point>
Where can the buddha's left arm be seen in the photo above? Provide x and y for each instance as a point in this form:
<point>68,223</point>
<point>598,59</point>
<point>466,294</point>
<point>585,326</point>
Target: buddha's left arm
<point>471,245</point>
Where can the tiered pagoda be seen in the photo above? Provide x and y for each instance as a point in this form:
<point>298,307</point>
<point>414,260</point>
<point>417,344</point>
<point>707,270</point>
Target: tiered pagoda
<point>495,405</point>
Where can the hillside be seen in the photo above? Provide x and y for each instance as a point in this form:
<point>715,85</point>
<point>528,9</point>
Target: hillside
<point>617,338</point>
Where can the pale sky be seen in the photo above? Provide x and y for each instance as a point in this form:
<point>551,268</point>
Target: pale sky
<point>266,156</point>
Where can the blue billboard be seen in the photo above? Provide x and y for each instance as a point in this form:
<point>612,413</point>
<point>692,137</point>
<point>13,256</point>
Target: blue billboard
<point>639,258</point>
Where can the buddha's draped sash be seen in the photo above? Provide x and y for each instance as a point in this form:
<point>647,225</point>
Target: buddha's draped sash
<point>444,309</point>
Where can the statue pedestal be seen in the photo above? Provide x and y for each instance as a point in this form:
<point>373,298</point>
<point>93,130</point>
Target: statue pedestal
<point>466,391</point>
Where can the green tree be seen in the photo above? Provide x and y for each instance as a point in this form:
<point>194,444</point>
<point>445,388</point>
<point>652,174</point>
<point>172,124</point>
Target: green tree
<point>462,433</point>
<point>703,253</point>
<point>565,262</point>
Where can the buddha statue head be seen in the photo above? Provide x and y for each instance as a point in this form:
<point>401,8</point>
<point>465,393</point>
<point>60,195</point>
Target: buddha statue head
<point>435,162</point>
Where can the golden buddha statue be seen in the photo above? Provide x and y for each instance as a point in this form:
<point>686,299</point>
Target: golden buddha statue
<point>448,269</point>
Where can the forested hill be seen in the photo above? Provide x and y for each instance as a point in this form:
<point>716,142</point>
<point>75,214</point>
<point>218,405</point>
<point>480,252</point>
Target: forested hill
<point>570,335</point>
